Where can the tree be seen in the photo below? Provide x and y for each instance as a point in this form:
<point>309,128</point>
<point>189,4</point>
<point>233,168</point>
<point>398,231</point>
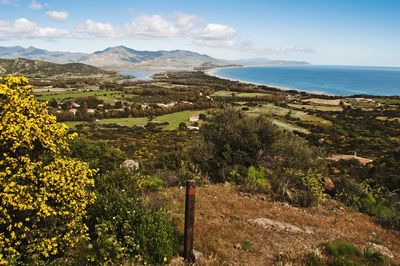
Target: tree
<point>182,126</point>
<point>97,154</point>
<point>43,192</point>
<point>233,139</point>
<point>53,103</point>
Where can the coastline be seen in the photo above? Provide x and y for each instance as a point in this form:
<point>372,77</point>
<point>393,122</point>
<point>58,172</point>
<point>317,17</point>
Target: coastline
<point>212,72</point>
<point>351,92</point>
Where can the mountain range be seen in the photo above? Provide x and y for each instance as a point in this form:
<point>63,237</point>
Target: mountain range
<point>124,58</point>
<point>42,68</point>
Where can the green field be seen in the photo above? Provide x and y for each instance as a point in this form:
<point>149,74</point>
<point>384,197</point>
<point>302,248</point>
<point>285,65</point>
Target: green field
<point>173,119</point>
<point>271,109</point>
<point>46,96</point>
<point>238,94</point>
<point>289,127</point>
<point>129,121</point>
<point>72,124</point>
<point>106,96</point>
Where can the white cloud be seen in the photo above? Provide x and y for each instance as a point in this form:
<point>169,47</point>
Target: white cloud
<point>36,5</point>
<point>57,15</point>
<point>201,32</point>
<point>23,28</point>
<point>97,29</point>
<point>216,32</point>
<point>157,26</point>
<point>154,26</point>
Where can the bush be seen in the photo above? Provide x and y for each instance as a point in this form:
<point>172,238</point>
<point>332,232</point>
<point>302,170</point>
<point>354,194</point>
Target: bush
<point>124,227</point>
<point>290,151</point>
<point>154,183</point>
<point>339,248</point>
<point>232,139</point>
<point>234,144</point>
<point>97,154</point>
<point>298,187</point>
<point>348,191</point>
<point>341,252</point>
<point>182,126</point>
<point>44,193</point>
<point>378,208</point>
<point>254,181</point>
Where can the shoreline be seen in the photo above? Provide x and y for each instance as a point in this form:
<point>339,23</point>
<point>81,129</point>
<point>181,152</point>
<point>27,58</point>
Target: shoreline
<point>212,72</point>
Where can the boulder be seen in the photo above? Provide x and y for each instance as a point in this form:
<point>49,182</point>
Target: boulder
<point>130,165</point>
<point>381,249</point>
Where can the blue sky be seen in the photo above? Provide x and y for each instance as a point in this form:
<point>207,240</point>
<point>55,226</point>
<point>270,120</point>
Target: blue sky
<point>340,32</point>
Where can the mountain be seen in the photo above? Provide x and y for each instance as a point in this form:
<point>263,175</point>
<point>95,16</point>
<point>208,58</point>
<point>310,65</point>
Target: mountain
<point>124,58</point>
<point>39,67</point>
<point>121,57</point>
<point>41,54</point>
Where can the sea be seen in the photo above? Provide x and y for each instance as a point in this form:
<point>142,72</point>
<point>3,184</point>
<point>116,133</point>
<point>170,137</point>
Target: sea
<point>331,80</point>
<point>139,75</point>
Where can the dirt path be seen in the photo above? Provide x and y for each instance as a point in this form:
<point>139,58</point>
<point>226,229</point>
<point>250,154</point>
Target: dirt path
<point>226,221</point>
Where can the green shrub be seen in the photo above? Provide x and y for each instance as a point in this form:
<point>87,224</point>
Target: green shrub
<point>291,151</point>
<point>348,191</point>
<point>373,257</point>
<point>254,181</point>
<point>232,139</point>
<point>124,227</point>
<point>340,248</point>
<point>154,183</point>
<point>248,246</point>
<point>97,153</point>
<point>378,208</point>
<point>336,253</point>
<point>297,186</point>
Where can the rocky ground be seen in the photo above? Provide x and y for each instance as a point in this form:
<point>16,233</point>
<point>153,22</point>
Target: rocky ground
<point>236,229</point>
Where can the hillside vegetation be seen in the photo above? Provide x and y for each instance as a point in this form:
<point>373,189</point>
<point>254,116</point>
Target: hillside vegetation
<point>43,68</point>
<point>283,177</point>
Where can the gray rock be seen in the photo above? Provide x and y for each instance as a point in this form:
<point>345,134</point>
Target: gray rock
<point>381,249</point>
<point>130,165</point>
<point>279,226</point>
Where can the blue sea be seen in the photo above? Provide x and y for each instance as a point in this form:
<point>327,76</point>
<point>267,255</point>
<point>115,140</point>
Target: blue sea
<point>332,80</point>
<point>139,75</point>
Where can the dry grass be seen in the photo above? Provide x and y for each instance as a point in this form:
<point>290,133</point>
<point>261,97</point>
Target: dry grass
<point>334,102</point>
<point>222,222</point>
<point>322,108</point>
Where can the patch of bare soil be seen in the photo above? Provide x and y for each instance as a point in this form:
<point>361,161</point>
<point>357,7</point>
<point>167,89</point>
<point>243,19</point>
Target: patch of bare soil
<point>243,230</point>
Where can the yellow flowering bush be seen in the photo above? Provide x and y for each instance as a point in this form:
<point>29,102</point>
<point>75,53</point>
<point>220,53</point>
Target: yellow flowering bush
<point>43,192</point>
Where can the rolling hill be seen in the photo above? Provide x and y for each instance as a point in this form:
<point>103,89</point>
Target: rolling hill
<point>124,58</point>
<point>39,67</point>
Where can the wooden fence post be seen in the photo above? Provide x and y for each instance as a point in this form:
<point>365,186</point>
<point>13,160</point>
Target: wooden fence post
<point>189,221</point>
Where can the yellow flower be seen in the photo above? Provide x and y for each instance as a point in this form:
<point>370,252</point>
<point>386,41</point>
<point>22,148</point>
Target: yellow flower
<point>39,186</point>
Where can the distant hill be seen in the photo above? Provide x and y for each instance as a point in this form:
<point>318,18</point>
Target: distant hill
<point>41,54</point>
<point>121,57</point>
<point>124,58</point>
<point>38,67</point>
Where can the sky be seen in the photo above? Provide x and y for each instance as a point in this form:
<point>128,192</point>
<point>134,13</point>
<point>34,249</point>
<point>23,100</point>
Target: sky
<point>328,32</point>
